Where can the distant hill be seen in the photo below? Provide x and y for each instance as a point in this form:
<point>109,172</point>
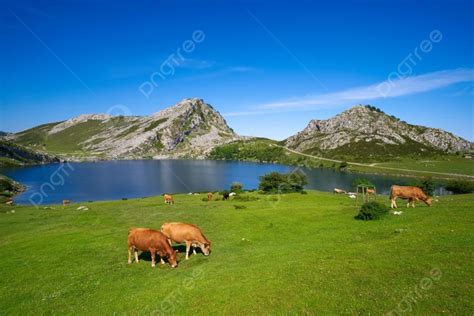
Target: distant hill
<point>365,132</point>
<point>189,129</point>
<point>14,154</point>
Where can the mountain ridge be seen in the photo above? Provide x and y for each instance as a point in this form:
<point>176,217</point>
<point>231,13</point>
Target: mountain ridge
<point>193,129</point>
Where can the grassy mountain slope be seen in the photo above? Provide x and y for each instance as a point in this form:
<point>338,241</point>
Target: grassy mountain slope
<point>190,128</point>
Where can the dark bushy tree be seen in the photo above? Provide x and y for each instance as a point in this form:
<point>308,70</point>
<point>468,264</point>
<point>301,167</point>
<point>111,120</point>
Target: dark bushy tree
<point>460,186</point>
<point>276,182</point>
<point>236,187</point>
<point>426,184</point>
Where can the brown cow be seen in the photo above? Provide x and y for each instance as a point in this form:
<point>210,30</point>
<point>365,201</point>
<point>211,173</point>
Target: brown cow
<point>169,199</point>
<point>66,202</point>
<point>339,191</point>
<point>189,234</point>
<point>209,196</point>
<point>153,241</point>
<point>371,191</point>
<point>412,194</point>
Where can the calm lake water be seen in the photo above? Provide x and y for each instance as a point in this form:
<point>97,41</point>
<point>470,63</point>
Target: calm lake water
<point>112,180</point>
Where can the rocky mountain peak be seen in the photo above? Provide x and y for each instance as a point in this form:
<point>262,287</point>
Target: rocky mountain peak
<point>368,124</point>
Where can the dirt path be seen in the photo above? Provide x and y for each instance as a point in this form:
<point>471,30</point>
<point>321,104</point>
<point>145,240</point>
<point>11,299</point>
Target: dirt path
<point>373,165</point>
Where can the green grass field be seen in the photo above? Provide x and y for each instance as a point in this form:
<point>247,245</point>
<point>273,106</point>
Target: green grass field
<point>301,254</point>
<point>449,164</point>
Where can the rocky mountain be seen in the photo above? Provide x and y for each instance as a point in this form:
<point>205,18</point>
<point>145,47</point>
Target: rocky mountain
<point>365,131</point>
<point>189,129</point>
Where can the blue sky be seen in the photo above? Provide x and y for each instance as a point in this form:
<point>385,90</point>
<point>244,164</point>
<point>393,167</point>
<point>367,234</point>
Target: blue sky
<point>267,66</point>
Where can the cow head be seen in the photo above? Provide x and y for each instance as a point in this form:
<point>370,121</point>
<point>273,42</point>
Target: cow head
<point>172,259</point>
<point>429,201</point>
<point>206,248</point>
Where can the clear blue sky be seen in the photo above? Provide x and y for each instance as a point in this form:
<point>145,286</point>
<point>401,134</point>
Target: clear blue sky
<point>268,66</point>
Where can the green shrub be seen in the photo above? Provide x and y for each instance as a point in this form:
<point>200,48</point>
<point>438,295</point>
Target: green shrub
<point>343,165</point>
<point>275,182</point>
<point>372,210</point>
<point>460,186</point>
<point>236,187</point>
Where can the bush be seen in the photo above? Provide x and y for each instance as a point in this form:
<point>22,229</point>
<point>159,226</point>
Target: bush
<point>236,187</point>
<point>275,182</point>
<point>372,210</point>
<point>426,184</point>
<point>343,165</point>
<point>460,186</point>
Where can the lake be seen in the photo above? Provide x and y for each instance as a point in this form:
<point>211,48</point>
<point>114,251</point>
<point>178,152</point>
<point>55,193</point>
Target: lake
<point>113,180</point>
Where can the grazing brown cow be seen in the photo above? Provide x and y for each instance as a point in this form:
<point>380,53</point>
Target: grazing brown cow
<point>169,199</point>
<point>209,196</point>
<point>412,194</point>
<point>153,241</point>
<point>339,191</point>
<point>189,234</point>
<point>66,202</point>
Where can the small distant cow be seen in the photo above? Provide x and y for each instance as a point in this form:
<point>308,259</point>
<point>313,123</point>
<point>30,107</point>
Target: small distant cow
<point>339,191</point>
<point>152,241</point>
<point>209,196</point>
<point>66,202</point>
<point>225,196</point>
<point>371,191</point>
<point>189,234</point>
<point>169,199</point>
<point>412,194</point>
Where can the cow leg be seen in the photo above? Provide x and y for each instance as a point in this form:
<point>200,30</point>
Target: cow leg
<point>153,256</point>
<point>393,204</point>
<point>161,260</point>
<point>188,245</point>
<point>136,255</point>
<point>194,251</point>
<point>409,202</point>
<point>130,254</point>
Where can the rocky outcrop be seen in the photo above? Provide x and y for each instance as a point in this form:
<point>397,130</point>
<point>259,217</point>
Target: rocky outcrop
<point>368,124</point>
<point>23,155</point>
<point>189,129</point>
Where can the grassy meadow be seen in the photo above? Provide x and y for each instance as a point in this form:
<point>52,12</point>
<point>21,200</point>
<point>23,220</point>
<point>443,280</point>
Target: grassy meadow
<point>290,254</point>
